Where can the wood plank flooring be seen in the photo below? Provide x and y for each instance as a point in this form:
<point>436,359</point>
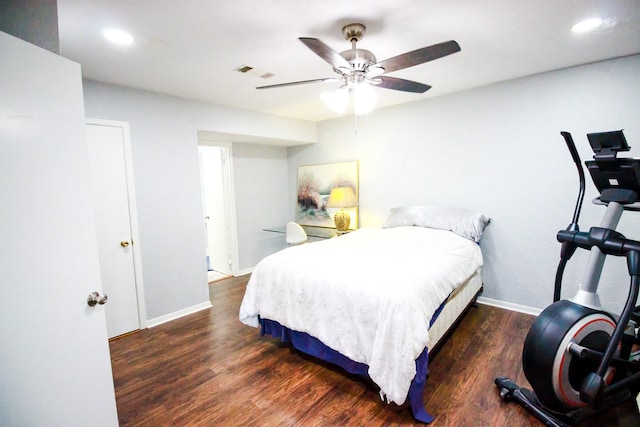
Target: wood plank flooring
<point>209,369</point>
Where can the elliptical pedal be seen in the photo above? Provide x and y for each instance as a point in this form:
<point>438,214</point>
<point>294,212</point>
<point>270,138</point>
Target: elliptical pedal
<point>526,398</point>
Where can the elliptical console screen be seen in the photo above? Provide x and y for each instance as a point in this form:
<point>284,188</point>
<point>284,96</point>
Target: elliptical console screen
<point>608,143</point>
<point>609,172</point>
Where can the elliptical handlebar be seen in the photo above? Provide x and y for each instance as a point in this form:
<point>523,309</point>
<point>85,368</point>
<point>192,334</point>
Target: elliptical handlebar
<point>609,241</point>
<point>576,159</point>
<point>568,248</point>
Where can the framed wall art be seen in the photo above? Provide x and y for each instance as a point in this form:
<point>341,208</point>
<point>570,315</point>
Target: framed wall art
<point>315,183</point>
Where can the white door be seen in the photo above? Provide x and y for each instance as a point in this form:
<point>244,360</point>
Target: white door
<point>54,356</point>
<point>108,149</point>
<point>214,201</point>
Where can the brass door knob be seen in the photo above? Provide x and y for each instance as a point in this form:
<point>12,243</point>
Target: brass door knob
<point>124,243</point>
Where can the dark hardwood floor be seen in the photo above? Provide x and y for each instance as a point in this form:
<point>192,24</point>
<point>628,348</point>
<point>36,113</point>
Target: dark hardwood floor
<point>210,369</point>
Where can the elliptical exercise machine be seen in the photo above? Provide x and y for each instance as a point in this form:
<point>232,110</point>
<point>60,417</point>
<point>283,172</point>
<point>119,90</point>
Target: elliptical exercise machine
<point>579,359</point>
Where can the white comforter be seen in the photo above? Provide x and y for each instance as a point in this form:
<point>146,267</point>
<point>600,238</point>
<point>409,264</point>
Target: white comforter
<point>369,294</point>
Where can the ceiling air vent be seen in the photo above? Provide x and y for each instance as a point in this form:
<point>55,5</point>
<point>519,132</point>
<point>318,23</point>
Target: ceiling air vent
<point>247,69</point>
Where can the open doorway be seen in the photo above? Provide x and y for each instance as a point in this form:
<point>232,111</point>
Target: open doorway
<point>217,202</point>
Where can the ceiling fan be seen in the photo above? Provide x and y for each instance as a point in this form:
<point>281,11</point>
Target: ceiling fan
<point>356,66</point>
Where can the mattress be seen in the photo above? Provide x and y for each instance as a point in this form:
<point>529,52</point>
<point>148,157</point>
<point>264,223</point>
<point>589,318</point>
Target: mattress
<point>455,306</point>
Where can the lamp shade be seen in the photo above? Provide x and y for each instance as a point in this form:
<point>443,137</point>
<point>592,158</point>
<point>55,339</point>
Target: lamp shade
<point>365,99</point>
<point>337,100</point>
<point>342,197</point>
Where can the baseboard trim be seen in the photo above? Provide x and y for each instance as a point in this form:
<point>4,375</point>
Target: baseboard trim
<point>509,306</point>
<point>245,271</point>
<point>177,314</point>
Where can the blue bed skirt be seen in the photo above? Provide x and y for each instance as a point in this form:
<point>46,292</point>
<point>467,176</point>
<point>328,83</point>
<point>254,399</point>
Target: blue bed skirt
<point>314,347</point>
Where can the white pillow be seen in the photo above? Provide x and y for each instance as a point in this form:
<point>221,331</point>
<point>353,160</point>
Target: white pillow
<point>463,222</point>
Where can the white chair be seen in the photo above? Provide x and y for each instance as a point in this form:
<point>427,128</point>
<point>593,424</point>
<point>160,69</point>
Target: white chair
<point>295,234</point>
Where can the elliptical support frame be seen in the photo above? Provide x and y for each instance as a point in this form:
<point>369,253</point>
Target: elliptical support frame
<point>568,392</point>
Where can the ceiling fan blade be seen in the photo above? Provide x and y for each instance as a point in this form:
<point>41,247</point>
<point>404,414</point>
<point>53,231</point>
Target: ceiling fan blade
<point>302,82</point>
<point>400,84</point>
<point>418,56</point>
<point>326,53</point>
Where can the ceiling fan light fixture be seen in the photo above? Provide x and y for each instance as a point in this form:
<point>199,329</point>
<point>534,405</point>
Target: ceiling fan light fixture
<point>337,100</point>
<point>364,99</point>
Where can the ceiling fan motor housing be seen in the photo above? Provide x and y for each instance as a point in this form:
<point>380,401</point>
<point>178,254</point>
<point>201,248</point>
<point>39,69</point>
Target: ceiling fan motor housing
<point>360,59</point>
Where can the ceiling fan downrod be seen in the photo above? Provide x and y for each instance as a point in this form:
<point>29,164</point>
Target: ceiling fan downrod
<point>359,59</point>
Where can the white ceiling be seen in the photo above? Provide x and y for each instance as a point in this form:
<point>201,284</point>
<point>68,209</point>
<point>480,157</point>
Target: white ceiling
<point>191,48</point>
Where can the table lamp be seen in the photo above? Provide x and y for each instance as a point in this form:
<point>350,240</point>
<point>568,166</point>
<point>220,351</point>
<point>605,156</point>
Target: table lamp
<point>342,197</point>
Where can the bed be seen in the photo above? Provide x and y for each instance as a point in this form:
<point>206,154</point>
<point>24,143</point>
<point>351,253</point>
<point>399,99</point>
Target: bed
<point>374,301</point>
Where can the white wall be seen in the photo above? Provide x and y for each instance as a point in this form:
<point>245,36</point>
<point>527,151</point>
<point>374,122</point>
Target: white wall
<point>496,149</point>
<point>260,178</point>
<point>164,139</point>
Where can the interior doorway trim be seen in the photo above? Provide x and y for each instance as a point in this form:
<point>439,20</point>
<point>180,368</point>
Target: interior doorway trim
<point>229,198</point>
<point>133,212</point>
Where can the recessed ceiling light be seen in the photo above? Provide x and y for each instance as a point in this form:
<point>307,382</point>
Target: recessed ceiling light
<point>587,25</point>
<point>118,36</point>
